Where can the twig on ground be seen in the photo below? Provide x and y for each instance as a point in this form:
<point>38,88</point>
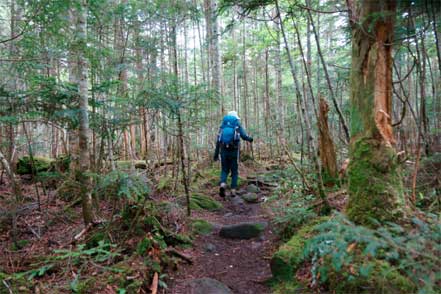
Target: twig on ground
<point>80,234</point>
<point>7,286</point>
<point>32,230</point>
<point>179,254</point>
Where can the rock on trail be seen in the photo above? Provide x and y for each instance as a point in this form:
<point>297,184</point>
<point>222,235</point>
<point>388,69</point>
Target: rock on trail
<point>208,286</point>
<point>243,230</point>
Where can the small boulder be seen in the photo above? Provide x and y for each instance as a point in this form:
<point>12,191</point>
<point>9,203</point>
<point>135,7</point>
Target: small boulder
<point>251,197</point>
<point>243,230</point>
<point>208,286</point>
<point>209,247</point>
<point>253,189</point>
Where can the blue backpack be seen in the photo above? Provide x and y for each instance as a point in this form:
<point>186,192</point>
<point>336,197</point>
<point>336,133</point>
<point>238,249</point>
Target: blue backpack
<point>229,131</point>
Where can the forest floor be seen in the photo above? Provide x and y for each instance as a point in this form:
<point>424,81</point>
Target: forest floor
<point>242,265</point>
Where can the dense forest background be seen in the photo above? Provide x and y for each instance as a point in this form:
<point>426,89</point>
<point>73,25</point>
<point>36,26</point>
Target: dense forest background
<point>226,59</point>
<point>103,102</point>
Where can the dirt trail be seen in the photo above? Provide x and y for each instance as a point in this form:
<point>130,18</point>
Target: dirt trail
<point>242,265</point>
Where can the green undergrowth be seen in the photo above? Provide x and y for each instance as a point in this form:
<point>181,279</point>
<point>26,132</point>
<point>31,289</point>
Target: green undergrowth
<point>290,204</point>
<point>428,183</point>
<point>342,257</point>
<point>123,253</point>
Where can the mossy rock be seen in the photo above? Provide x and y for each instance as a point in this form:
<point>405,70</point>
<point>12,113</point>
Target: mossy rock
<point>243,230</point>
<point>69,190</point>
<point>253,188</point>
<point>200,202</point>
<point>286,261</point>
<point>251,197</point>
<point>201,227</point>
<point>383,278</point>
<point>27,166</point>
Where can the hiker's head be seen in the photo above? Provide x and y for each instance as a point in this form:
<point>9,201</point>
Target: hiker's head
<point>233,113</point>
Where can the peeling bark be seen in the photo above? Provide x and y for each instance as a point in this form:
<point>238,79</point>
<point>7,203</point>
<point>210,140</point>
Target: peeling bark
<point>326,145</point>
<point>375,182</point>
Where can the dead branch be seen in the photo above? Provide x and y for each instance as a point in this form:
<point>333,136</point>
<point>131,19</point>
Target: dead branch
<point>155,283</point>
<point>181,255</point>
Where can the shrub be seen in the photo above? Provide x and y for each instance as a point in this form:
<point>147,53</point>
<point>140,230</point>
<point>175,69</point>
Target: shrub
<point>400,258</point>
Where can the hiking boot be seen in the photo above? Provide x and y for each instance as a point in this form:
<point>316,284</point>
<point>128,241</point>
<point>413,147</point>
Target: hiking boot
<point>233,192</point>
<point>222,188</point>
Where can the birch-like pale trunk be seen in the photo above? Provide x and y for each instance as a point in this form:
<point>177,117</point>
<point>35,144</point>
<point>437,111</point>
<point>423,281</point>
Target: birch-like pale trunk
<point>83,134</point>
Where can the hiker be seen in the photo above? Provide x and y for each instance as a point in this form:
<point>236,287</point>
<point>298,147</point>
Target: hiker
<point>228,145</point>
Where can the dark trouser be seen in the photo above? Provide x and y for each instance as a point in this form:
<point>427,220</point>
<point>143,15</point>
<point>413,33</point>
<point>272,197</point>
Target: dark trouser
<point>229,161</point>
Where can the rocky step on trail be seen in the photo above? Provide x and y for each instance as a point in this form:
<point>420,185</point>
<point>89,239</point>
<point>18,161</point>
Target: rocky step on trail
<point>234,257</point>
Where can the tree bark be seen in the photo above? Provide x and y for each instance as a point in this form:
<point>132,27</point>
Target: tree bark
<point>83,146</point>
<point>327,153</point>
<point>375,182</point>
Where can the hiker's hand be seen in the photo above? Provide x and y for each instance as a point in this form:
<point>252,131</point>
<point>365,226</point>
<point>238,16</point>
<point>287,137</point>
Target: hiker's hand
<point>251,140</point>
<point>216,158</point>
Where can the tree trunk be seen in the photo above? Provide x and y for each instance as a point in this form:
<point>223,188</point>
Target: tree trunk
<point>327,153</point>
<point>375,182</point>
<point>16,188</point>
<point>84,162</point>
<point>302,112</point>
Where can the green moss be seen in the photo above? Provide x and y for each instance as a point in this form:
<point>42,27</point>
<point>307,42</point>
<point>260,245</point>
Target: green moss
<point>199,202</point>
<point>39,164</point>
<point>383,278</point>
<point>289,257</point>
<point>289,287</point>
<point>375,183</point>
<point>201,227</point>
